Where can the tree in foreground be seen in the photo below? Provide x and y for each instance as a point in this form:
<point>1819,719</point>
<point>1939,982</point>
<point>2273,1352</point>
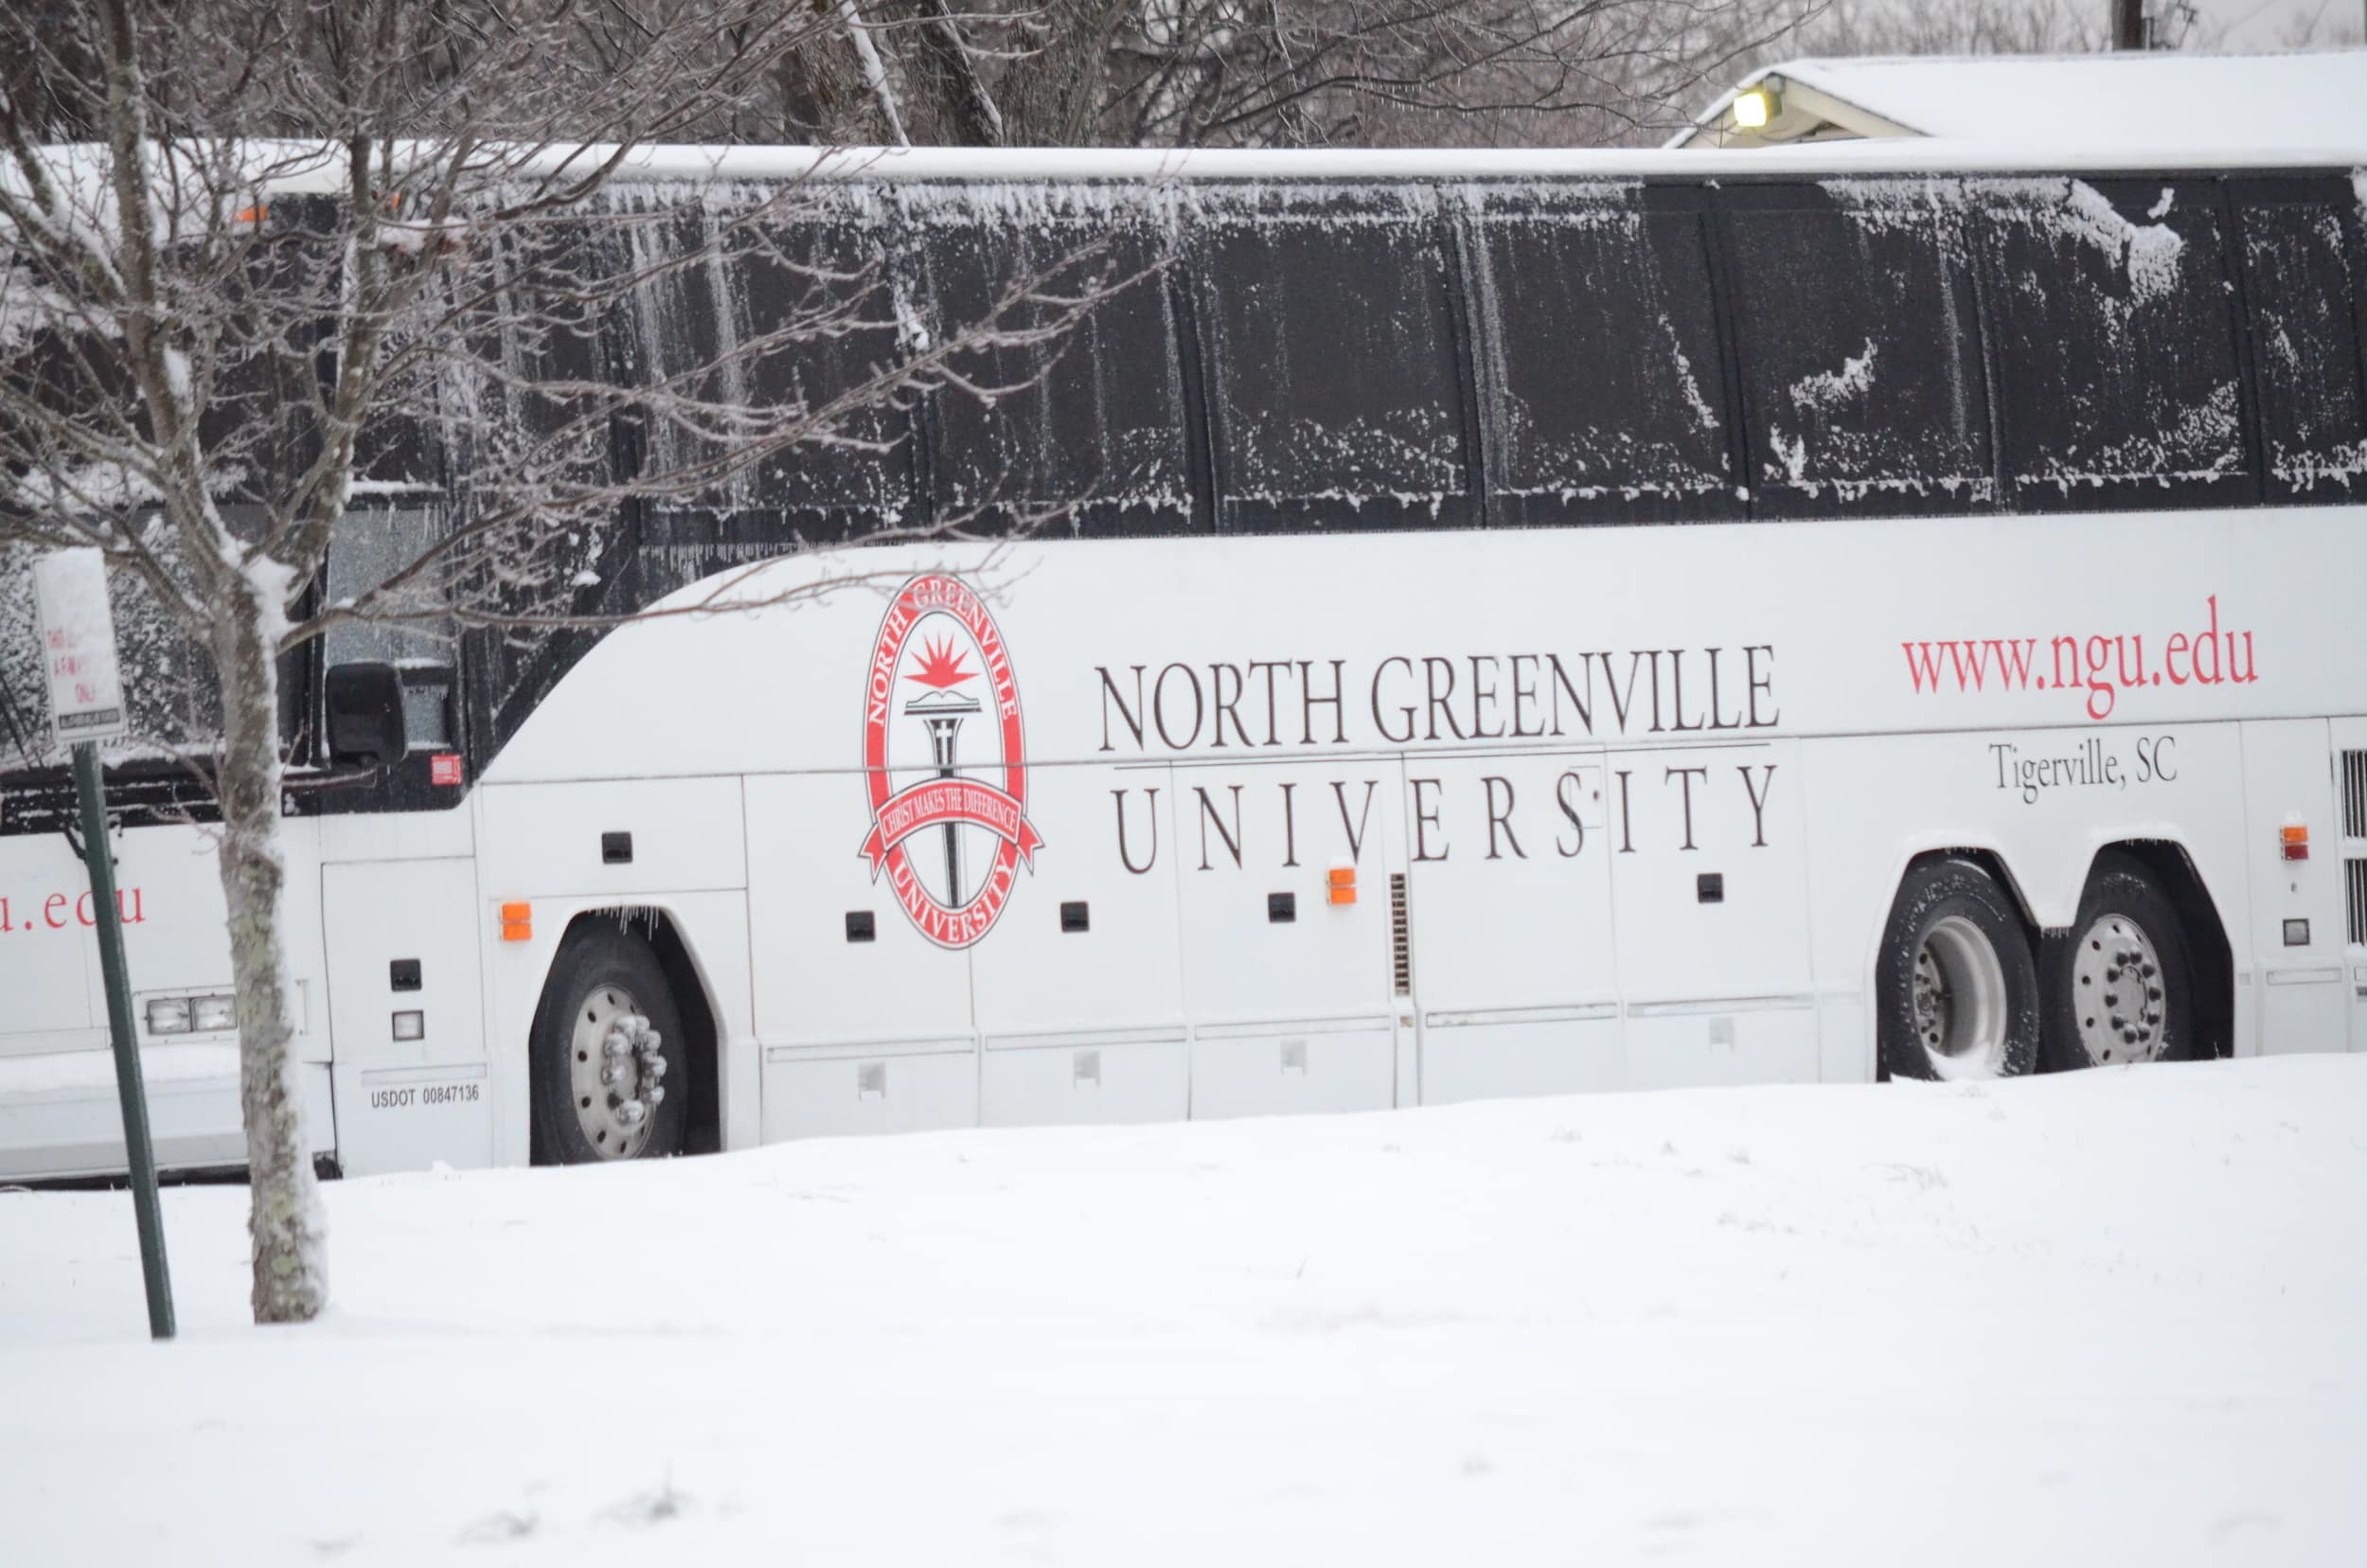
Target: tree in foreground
<point>216,347</point>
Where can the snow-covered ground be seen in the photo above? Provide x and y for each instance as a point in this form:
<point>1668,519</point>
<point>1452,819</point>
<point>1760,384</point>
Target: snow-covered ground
<point>2115,1318</point>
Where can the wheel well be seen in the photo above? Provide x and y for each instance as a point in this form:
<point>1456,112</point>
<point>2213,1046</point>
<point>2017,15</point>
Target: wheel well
<point>2206,936</point>
<point>702,1112</point>
<point>1992,863</point>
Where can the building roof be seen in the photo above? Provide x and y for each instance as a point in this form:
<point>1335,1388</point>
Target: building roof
<point>2083,103</point>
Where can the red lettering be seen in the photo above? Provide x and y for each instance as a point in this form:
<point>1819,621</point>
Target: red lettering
<point>49,910</point>
<point>82,907</point>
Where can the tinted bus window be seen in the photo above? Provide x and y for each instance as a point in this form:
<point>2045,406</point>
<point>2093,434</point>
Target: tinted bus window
<point>1605,393</point>
<point>1331,363</point>
<point>1861,357</point>
<point>1081,432</point>
<point>2304,292</point>
<point>2118,380</point>
<point>811,319</point>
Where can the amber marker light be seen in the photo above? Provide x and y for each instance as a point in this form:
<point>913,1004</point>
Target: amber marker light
<point>517,922</point>
<point>1341,883</point>
<point>2295,840</point>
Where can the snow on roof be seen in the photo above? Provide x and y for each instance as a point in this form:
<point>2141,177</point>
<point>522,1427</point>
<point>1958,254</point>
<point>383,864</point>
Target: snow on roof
<point>2097,102</point>
<point>761,164</point>
<point>299,167</point>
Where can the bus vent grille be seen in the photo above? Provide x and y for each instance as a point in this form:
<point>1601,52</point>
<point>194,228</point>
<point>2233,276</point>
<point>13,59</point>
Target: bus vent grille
<point>2355,793</point>
<point>1400,946</point>
<point>2354,884</point>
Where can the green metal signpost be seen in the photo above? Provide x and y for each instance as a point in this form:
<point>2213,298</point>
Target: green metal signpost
<point>86,705</point>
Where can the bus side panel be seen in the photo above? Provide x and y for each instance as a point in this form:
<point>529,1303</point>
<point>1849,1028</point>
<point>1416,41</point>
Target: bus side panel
<point>1290,1005</point>
<point>1710,882</point>
<point>1080,991</point>
<point>48,964</point>
<point>1514,952</point>
<point>2043,801</point>
<point>2297,914</point>
<point>865,1024</point>
<point>2350,780</point>
<point>617,847</point>
<point>406,1006</point>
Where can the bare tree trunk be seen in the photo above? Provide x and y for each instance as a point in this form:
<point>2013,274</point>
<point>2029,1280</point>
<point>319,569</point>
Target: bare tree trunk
<point>2128,24</point>
<point>284,1220</point>
<point>963,113</point>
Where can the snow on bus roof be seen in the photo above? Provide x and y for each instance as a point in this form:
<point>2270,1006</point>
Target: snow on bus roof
<point>291,168</point>
<point>759,164</point>
<point>2129,102</point>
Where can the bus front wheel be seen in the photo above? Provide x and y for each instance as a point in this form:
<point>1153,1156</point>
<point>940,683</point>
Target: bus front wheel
<point>1957,990</point>
<point>2120,986</point>
<point>606,1054</point>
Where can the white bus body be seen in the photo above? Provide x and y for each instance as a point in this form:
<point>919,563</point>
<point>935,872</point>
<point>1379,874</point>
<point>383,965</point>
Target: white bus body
<point>1290,822</point>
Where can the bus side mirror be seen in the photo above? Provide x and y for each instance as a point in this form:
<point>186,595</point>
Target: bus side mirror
<point>366,714</point>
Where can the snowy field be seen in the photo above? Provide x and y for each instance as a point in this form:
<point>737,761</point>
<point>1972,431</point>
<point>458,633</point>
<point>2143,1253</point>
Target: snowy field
<point>2116,1318</point>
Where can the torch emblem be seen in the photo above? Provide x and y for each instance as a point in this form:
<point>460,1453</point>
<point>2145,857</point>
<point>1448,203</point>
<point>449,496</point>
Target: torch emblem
<point>949,820</point>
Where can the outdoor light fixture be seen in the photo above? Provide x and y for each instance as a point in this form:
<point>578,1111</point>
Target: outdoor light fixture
<point>1753,108</point>
<point>410,1026</point>
<point>172,1015</point>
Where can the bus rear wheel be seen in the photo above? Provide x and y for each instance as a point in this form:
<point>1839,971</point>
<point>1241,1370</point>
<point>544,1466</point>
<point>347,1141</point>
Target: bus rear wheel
<point>2120,984</point>
<point>1957,991</point>
<point>606,1054</point>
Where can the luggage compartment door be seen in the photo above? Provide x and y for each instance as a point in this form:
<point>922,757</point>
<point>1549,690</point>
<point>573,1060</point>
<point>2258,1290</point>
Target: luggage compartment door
<point>406,1014</point>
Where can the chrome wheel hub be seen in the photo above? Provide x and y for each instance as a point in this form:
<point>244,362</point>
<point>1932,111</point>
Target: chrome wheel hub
<point>1960,1012</point>
<point>2116,988</point>
<point>616,1073</point>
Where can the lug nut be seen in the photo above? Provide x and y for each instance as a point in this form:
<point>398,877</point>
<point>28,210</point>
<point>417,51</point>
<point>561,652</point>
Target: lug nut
<point>655,1094</point>
<point>613,1074</point>
<point>632,1112</point>
<point>616,1044</point>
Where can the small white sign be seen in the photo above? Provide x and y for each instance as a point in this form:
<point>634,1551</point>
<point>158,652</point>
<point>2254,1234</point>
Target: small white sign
<point>77,646</point>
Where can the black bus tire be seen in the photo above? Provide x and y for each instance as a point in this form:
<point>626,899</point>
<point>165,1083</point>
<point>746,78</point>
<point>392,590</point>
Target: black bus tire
<point>601,982</point>
<point>2120,984</point>
<point>1957,990</point>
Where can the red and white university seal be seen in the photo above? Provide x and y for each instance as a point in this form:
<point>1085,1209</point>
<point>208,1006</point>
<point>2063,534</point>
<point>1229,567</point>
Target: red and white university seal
<point>945,762</point>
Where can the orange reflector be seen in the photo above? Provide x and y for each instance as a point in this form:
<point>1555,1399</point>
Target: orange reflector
<point>2296,842</point>
<point>1343,895</point>
<point>1344,875</point>
<point>251,215</point>
<point>517,922</point>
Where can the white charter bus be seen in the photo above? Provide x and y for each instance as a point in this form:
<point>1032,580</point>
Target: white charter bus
<point>1518,624</point>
